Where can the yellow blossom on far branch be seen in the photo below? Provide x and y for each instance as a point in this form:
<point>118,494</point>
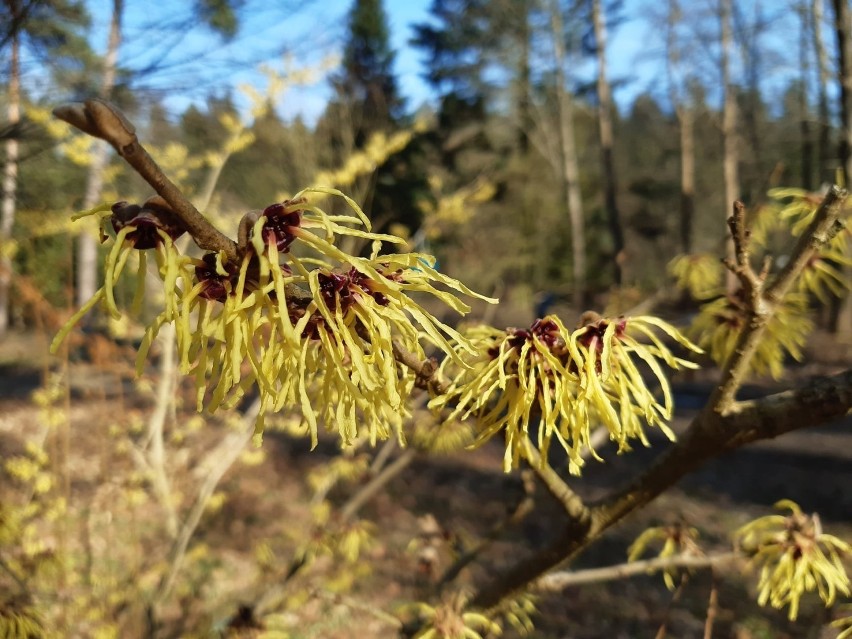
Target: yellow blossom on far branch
<point>676,539</point>
<point>452,620</point>
<point>700,275</point>
<point>795,557</point>
<point>549,383</point>
<point>719,323</point>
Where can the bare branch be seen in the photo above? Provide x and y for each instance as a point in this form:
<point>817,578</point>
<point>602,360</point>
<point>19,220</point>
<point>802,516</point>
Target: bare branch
<point>360,606</point>
<point>103,120</point>
<point>365,494</point>
<point>712,604</point>
<point>709,435</point>
<point>825,226</point>
<point>229,452</point>
<point>763,299</point>
<point>561,580</point>
<point>426,370</point>
<point>741,264</point>
<point>676,597</point>
<point>571,501</point>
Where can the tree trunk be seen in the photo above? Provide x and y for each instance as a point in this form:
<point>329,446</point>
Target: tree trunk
<point>841,312</point>
<point>87,247</point>
<point>10,176</point>
<point>524,78</point>
<point>686,117</point>
<point>605,120</point>
<point>844,55</point>
<point>570,170</point>
<point>824,152</point>
<point>681,101</point>
<point>804,109</point>
<point>746,37</point>
<point>729,133</point>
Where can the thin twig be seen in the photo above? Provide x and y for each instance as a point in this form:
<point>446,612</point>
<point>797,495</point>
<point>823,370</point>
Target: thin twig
<point>676,597</point>
<point>712,604</point>
<point>571,501</point>
<point>361,606</point>
<point>382,456</point>
<point>557,581</point>
<point>156,453</point>
<point>231,448</point>
<point>357,501</point>
<point>426,370</point>
<point>822,229</point>
<point>762,297</point>
<point>740,266</point>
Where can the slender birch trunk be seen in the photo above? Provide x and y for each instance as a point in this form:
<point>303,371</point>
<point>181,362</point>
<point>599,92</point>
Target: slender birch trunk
<point>807,144</point>
<point>686,118</point>
<point>10,173</point>
<point>87,246</point>
<point>570,170</point>
<point>841,315</point>
<point>729,132</point>
<point>685,114</point>
<point>605,110</point>
<point>824,152</point>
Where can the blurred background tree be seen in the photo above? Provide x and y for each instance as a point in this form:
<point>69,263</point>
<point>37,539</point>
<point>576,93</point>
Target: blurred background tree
<point>543,160</point>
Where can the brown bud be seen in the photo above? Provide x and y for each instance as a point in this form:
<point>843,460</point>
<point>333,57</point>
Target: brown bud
<point>99,119</point>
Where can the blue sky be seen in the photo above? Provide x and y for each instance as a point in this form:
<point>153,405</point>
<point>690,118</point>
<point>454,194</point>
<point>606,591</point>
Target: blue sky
<point>203,63</point>
<point>309,33</point>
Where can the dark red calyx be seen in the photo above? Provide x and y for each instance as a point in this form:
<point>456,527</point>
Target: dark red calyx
<point>216,285</point>
<point>296,309</point>
<point>370,286</point>
<point>594,333</point>
<point>279,225</point>
<point>544,331</point>
<point>146,219</point>
<point>337,290</point>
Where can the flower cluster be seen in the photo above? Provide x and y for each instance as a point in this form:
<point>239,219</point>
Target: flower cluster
<point>822,275</point>
<point>452,620</point>
<point>677,539</point>
<point>570,381</point>
<point>700,274</point>
<point>720,322</point>
<point>296,318</point>
<point>844,624</point>
<point>795,557</point>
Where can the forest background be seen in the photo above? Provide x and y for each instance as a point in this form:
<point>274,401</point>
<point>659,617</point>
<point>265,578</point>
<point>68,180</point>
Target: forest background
<point>543,157</point>
<point>490,125</point>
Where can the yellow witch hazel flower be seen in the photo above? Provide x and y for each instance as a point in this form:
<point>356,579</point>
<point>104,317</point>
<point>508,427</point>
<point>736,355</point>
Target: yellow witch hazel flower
<point>569,381</point>
<point>313,328</point>
<point>798,207</point>
<point>844,624</point>
<point>795,557</point>
<point>138,228</point>
<point>719,323</point>
<point>677,539</point>
<point>451,620</point>
<point>822,275</point>
<point>700,275</point>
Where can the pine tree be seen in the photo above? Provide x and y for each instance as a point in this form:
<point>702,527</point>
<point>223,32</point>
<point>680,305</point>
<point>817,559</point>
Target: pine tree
<point>366,102</point>
<point>367,84</point>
